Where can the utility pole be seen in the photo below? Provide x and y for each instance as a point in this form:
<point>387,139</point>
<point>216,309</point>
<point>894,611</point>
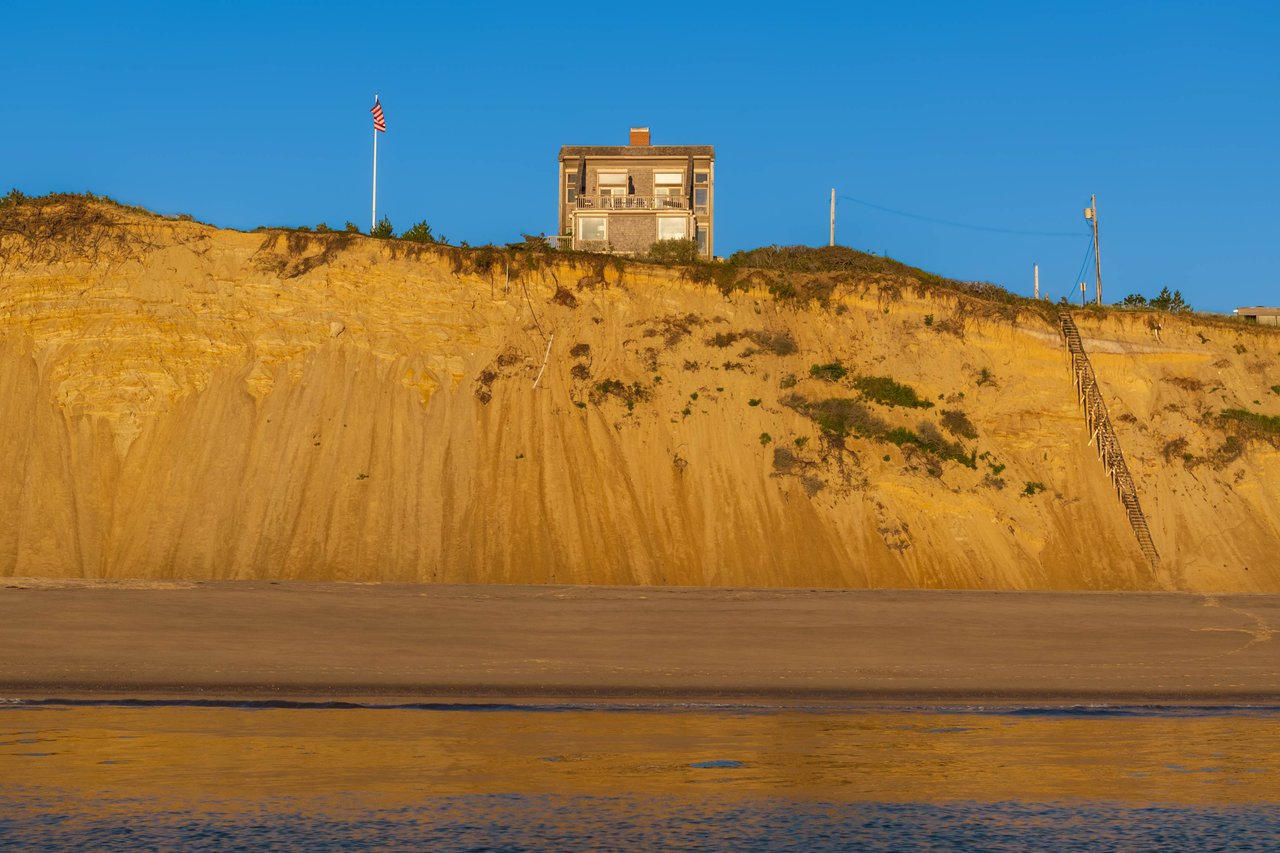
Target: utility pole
<point>1091,214</point>
<point>833,217</point>
<point>1037,272</point>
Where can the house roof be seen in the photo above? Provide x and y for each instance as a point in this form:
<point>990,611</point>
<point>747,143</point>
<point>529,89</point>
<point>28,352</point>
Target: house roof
<point>570,151</point>
<point>1258,310</point>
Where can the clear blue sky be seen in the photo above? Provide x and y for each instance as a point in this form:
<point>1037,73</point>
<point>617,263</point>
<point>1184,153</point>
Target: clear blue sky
<point>1005,115</point>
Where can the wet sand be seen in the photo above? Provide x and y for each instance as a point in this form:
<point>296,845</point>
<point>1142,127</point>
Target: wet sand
<point>258,640</point>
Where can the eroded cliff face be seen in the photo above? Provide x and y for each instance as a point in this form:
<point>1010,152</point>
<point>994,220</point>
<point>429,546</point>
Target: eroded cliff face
<point>183,401</point>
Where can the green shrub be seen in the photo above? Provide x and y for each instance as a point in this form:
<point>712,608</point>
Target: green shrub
<point>673,252</point>
<point>840,417</point>
<point>351,228</point>
<point>765,438</point>
<point>754,401</point>
<point>831,372</point>
<point>383,229</point>
<point>1253,424</point>
<point>887,392</point>
<point>1032,488</point>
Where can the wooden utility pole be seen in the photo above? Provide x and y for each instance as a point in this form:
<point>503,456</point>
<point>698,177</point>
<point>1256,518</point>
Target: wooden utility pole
<point>833,217</point>
<point>1091,214</point>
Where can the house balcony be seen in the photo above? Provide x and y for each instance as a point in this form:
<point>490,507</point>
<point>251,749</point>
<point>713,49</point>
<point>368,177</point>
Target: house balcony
<point>631,202</point>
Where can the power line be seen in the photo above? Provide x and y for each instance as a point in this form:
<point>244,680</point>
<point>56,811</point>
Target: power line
<point>1088,253</point>
<point>949,222</point>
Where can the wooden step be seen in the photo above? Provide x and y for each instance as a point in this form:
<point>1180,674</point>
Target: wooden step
<point>1098,422</point>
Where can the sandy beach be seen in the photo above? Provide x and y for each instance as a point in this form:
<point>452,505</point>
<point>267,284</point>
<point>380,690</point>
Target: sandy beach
<point>230,640</point>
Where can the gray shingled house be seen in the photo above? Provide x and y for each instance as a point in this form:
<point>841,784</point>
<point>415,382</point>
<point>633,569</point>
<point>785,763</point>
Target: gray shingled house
<point>625,198</point>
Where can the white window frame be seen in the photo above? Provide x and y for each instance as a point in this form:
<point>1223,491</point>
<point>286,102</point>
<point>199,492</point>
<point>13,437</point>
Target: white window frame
<point>684,227</point>
<point>578,229</point>
<point>571,187</point>
<point>671,187</point>
<point>615,186</point>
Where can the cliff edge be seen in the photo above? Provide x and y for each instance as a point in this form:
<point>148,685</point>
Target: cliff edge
<point>184,401</point>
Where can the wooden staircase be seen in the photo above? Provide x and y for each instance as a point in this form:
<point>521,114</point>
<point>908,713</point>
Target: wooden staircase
<point>1103,436</point>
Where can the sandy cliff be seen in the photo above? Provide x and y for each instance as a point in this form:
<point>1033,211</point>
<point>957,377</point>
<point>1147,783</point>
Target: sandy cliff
<point>183,401</point>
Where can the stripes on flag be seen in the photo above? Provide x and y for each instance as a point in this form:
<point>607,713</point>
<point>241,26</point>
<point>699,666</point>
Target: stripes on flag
<point>379,120</point>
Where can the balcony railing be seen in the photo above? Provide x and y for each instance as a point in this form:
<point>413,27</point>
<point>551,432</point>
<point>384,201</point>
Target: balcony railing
<point>632,202</point>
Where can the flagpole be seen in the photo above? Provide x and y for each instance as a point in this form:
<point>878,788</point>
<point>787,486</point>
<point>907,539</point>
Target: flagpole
<point>373,219</point>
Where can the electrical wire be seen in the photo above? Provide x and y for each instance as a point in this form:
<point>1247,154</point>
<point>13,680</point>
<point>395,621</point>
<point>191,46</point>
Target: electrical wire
<point>936,221</point>
<point>1088,253</point>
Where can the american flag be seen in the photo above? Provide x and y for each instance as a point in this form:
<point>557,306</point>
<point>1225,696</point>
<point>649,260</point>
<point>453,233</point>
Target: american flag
<point>379,120</point>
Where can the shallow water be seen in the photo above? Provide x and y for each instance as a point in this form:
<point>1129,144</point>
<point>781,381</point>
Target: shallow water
<point>129,776</point>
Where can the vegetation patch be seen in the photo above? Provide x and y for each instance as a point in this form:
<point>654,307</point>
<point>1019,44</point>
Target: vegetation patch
<point>1252,425</point>
<point>627,394</point>
<point>1186,383</point>
<point>888,392</point>
<point>958,424</point>
<point>839,417</point>
<point>1163,301</point>
<point>1032,488</point>
<point>831,372</point>
<point>931,441</point>
<point>777,342</point>
<point>674,328</point>
<point>565,297</point>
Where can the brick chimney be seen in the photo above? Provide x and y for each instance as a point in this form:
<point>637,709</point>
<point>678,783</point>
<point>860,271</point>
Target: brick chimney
<point>639,136</point>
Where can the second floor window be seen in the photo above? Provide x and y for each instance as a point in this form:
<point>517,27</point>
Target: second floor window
<point>612,183</point>
<point>668,188</point>
<point>571,187</point>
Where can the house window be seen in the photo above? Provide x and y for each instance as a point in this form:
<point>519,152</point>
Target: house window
<point>612,183</point>
<point>702,177</point>
<point>571,187</point>
<point>673,228</point>
<point>668,188</point>
<point>700,196</point>
<point>702,239</point>
<point>593,228</point>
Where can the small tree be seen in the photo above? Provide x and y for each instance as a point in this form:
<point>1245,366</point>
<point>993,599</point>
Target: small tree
<point>1134,300</point>
<point>352,228</point>
<point>383,229</point>
<point>1171,302</point>
<point>420,233</point>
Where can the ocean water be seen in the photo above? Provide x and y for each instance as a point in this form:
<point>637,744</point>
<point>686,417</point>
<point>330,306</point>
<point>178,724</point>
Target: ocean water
<point>336,776</point>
